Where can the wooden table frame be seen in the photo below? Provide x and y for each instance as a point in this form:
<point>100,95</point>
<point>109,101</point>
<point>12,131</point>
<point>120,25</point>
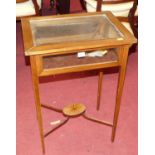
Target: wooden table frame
<point>37,53</point>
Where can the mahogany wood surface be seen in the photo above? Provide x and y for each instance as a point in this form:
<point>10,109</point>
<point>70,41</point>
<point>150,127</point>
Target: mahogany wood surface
<point>123,62</point>
<point>74,109</point>
<point>19,1</point>
<point>37,55</point>
<point>63,6</point>
<point>131,18</point>
<point>100,79</point>
<point>71,47</point>
<point>35,82</point>
<point>97,120</point>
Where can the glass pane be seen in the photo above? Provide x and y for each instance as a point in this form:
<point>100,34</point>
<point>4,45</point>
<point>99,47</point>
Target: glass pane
<point>96,27</point>
<point>70,60</point>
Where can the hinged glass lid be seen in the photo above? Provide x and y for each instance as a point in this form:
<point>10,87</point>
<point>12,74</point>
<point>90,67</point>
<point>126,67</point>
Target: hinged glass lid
<point>72,29</point>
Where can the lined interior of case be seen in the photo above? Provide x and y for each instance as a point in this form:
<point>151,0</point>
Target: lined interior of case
<point>69,60</point>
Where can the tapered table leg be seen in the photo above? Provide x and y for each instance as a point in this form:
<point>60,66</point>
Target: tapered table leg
<point>100,79</point>
<point>122,71</point>
<point>35,81</point>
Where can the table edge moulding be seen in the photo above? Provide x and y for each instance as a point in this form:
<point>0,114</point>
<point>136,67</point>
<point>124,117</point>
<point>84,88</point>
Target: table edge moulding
<point>40,55</point>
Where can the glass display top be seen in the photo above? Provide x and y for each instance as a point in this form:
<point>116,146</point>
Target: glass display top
<point>81,28</point>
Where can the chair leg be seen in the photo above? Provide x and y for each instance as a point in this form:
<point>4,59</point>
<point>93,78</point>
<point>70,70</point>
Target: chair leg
<point>83,5</point>
<point>40,12</point>
<point>133,48</point>
<point>27,60</point>
<point>52,3</point>
<point>133,21</point>
<point>63,6</point>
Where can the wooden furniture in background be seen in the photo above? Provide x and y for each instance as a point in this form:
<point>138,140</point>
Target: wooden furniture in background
<point>26,8</point>
<point>19,1</point>
<point>52,4</point>
<point>133,18</point>
<point>63,6</point>
<point>122,9</point>
<point>52,42</point>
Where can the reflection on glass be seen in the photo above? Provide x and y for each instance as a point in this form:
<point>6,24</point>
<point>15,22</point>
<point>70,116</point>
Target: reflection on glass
<point>71,29</point>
